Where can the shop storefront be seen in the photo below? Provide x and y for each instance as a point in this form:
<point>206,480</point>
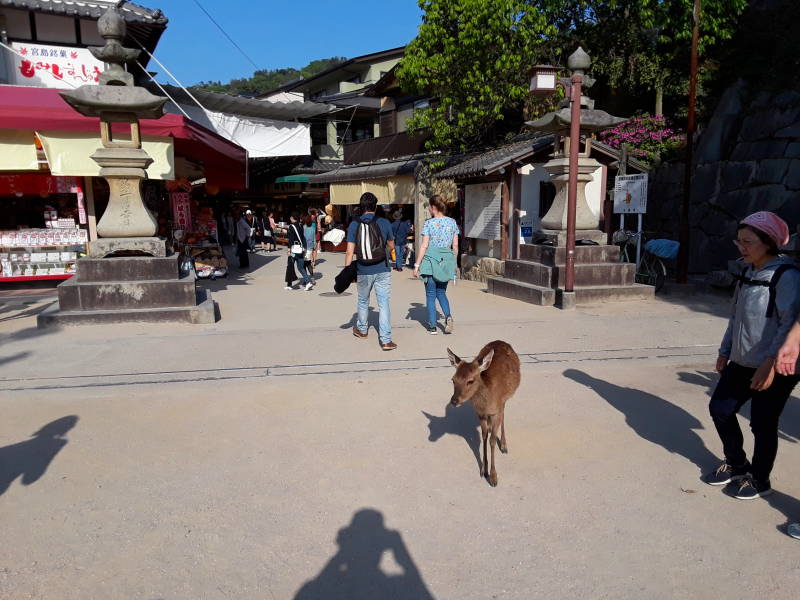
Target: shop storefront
<point>43,226</point>
<point>51,194</point>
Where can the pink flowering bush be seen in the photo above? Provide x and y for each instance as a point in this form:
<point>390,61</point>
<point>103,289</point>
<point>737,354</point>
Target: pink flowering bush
<point>649,139</point>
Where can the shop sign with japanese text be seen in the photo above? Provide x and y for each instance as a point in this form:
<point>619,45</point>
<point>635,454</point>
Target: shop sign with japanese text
<point>181,211</point>
<point>40,65</point>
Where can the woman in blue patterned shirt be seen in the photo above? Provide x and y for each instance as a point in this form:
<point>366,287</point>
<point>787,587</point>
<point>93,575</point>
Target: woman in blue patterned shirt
<point>437,261</point>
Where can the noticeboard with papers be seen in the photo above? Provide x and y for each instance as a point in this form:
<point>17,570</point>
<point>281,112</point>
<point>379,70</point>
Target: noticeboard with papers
<point>482,211</point>
<point>630,194</point>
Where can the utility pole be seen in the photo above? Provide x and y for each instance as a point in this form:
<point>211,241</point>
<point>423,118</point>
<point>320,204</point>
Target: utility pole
<point>683,237</point>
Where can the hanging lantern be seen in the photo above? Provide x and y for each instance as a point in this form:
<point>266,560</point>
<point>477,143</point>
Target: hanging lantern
<point>212,189</point>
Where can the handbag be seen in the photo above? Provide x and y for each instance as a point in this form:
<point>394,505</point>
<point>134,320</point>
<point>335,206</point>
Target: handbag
<point>297,247</point>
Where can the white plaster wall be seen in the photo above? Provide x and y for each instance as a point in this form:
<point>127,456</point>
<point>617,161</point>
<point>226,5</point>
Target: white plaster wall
<point>531,176</point>
<point>594,191</point>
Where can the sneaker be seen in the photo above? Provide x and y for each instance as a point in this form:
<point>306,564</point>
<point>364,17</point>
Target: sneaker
<point>288,287</point>
<point>389,346</point>
<point>750,489</point>
<point>308,287</point>
<point>448,325</point>
<point>433,330</point>
<point>794,530</point>
<point>358,334</point>
<point>726,473</point>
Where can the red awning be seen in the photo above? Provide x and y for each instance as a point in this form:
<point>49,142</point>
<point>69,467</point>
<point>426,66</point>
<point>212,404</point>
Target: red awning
<point>43,109</point>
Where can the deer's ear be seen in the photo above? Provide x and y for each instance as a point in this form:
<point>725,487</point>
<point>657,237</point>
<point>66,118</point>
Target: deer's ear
<point>454,360</point>
<point>487,360</point>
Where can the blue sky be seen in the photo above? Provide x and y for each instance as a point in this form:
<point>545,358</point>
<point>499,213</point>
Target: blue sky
<point>275,33</point>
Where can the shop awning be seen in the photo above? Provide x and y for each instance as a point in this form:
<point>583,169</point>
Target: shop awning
<point>69,154</point>
<point>42,109</point>
<point>391,190</point>
<point>292,179</point>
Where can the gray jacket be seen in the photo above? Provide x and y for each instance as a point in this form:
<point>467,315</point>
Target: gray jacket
<point>752,337</point>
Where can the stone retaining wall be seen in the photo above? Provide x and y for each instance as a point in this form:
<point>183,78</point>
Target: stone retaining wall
<point>747,159</point>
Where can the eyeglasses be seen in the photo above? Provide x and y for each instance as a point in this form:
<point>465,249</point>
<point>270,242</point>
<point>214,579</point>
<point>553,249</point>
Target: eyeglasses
<point>744,243</point>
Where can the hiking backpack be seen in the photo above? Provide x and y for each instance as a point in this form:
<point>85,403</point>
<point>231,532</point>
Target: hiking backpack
<point>370,245</point>
<point>771,284</point>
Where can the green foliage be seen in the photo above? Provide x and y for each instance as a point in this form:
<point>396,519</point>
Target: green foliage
<point>267,80</point>
<point>641,45</point>
<point>473,57</point>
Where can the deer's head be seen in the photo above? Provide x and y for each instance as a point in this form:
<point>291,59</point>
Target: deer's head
<point>467,379</point>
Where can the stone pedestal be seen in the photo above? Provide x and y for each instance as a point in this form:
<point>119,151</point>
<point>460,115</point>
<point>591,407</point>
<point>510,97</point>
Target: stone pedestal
<point>538,277</point>
<point>126,215</point>
<point>151,246</point>
<point>129,289</point>
<point>556,217</point>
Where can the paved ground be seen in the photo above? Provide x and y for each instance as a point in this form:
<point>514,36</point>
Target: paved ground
<point>273,455</point>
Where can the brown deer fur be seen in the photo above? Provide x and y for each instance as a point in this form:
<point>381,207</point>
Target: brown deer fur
<point>487,382</point>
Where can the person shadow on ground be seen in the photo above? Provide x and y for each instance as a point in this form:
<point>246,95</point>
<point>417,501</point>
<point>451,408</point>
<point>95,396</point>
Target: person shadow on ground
<point>355,571</point>
<point>460,421</point>
<point>372,320</point>
<point>30,459</point>
<point>419,312</point>
<point>653,419</point>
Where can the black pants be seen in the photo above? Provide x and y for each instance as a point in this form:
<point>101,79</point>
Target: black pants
<point>731,393</point>
<point>242,249</point>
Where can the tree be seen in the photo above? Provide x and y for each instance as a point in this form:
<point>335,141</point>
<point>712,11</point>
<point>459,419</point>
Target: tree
<point>266,80</point>
<point>642,45</point>
<point>473,57</point>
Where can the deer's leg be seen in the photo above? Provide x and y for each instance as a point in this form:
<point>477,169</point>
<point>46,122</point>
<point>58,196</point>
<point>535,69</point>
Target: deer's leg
<point>494,423</point>
<point>484,437</point>
<point>503,445</point>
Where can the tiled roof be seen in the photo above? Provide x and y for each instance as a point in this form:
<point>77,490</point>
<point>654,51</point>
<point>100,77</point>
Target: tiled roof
<point>93,9</point>
<point>483,163</point>
<point>378,170</point>
<point>246,107</point>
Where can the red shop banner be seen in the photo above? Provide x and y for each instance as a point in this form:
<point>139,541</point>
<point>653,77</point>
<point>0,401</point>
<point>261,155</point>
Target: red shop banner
<point>181,210</point>
<point>37,184</point>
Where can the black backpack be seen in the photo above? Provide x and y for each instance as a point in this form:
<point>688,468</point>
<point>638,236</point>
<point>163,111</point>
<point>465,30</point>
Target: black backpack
<point>370,245</point>
<point>771,284</point>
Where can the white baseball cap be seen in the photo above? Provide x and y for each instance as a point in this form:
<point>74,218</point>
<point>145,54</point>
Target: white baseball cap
<point>249,212</point>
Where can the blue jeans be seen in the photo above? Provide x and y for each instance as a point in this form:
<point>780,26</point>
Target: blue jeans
<point>382,284</point>
<point>400,255</point>
<point>301,267</point>
<point>436,290</point>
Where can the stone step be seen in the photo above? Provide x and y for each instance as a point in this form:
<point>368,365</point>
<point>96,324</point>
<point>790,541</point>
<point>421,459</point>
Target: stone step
<point>590,274</point>
<point>552,255</point>
<point>201,313</point>
<point>77,295</point>
<point>517,290</point>
<point>612,293</point>
<point>128,268</point>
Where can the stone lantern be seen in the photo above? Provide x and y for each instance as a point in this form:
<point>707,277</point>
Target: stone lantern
<point>127,224</point>
<point>128,275</point>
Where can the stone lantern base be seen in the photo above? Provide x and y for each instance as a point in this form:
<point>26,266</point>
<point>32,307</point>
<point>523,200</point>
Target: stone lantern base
<point>538,276</point>
<point>129,289</point>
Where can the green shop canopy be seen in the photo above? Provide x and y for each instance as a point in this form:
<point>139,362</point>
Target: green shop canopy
<point>292,178</point>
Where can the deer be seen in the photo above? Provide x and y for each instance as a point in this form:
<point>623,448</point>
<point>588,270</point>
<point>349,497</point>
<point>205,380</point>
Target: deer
<point>487,382</point>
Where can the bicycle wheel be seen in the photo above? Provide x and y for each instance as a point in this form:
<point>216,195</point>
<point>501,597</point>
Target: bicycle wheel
<point>660,270</point>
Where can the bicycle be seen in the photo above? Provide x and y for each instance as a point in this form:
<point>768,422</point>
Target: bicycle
<point>651,269</point>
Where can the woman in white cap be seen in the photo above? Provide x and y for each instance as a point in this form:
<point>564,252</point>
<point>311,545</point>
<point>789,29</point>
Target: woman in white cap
<point>765,307</point>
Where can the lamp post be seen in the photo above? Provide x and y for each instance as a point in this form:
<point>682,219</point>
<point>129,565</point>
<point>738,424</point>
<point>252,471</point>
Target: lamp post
<point>544,82</point>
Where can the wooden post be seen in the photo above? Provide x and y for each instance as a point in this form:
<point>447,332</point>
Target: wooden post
<point>91,218</point>
<point>504,218</point>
